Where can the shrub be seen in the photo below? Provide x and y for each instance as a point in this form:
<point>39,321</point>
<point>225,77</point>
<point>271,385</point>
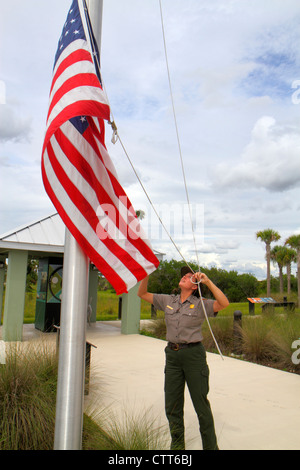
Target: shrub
<point>285,330</point>
<point>27,399</point>
<point>222,330</point>
<point>256,334</point>
<point>134,431</point>
<point>157,328</point>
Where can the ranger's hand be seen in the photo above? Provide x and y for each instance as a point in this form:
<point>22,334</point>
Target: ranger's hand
<point>200,277</point>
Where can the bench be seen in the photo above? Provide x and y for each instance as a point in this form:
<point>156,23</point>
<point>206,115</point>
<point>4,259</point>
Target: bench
<point>269,304</point>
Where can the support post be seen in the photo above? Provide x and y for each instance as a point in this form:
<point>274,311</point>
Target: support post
<point>2,278</point>
<point>251,308</point>
<point>237,334</point>
<point>15,296</point>
<point>131,312</point>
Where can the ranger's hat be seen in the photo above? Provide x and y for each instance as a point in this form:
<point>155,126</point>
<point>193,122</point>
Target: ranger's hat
<point>184,270</point>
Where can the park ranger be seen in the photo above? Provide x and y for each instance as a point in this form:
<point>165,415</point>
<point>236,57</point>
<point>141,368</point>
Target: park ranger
<point>185,354</point>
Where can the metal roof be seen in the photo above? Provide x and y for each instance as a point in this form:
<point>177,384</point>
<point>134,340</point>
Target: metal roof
<point>45,236</point>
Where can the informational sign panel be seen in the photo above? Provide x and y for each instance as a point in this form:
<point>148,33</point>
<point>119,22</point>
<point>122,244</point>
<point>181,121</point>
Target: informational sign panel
<point>261,300</point>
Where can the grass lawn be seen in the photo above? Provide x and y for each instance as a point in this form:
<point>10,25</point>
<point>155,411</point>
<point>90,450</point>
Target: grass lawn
<point>107,307</point>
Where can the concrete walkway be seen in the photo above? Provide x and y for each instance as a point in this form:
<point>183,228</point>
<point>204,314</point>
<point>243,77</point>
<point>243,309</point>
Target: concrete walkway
<point>254,407</point>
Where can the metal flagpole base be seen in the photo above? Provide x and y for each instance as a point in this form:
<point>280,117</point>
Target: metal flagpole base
<point>71,367</point>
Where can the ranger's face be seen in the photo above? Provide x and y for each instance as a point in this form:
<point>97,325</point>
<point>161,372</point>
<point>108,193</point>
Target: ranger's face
<point>186,281</point>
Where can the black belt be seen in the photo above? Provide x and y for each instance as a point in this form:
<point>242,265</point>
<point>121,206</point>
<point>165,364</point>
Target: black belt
<point>177,346</point>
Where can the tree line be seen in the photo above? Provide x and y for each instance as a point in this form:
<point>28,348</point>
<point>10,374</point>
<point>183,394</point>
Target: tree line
<point>237,287</point>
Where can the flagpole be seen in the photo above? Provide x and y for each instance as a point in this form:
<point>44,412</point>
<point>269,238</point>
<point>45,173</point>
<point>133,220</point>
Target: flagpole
<point>71,366</point>
<point>95,8</point>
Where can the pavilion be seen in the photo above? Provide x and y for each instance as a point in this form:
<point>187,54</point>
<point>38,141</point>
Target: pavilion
<point>44,240</point>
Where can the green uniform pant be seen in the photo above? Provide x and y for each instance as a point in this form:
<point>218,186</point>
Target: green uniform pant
<point>188,366</point>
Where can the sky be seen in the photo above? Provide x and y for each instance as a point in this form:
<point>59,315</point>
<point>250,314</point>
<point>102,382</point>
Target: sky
<point>234,68</point>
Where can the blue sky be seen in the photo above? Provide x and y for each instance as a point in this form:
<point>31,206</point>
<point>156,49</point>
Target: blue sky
<point>232,65</point>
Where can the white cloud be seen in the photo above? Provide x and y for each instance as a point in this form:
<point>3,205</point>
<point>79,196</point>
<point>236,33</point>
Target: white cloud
<point>12,125</point>
<point>228,244</point>
<point>270,161</point>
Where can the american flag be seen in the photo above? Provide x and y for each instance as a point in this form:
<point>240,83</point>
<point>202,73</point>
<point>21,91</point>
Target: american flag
<point>77,171</point>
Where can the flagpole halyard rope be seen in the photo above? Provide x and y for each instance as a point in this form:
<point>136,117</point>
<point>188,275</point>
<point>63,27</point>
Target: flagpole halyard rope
<point>184,177</point>
<point>177,132</point>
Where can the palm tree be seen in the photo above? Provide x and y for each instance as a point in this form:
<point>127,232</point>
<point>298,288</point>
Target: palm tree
<point>283,256</point>
<point>268,236</point>
<point>140,214</point>
<point>294,242</point>
<point>277,255</point>
<point>289,257</point>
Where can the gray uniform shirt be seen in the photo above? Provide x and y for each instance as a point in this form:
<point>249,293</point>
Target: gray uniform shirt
<point>183,320</point>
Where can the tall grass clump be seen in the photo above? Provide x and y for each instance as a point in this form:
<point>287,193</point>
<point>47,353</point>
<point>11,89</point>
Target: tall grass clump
<point>285,330</point>
<point>268,340</point>
<point>27,399</point>
<point>94,437</point>
<point>133,430</point>
<point>222,329</point>
<point>256,339</point>
<point>156,328</point>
